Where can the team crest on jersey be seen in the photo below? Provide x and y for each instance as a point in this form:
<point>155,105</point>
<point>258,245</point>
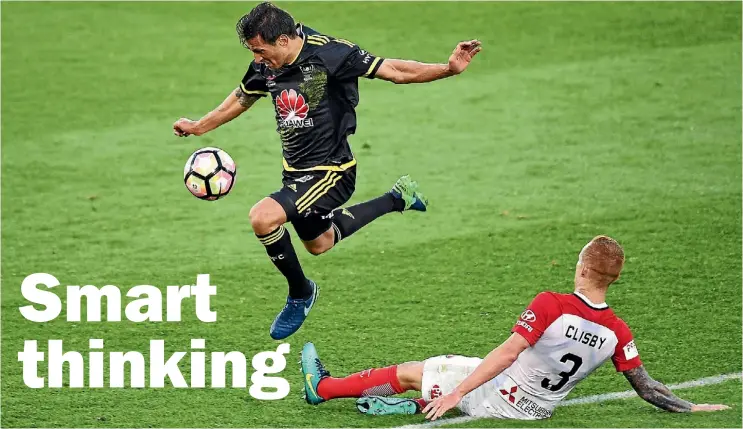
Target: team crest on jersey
<point>528,316</point>
<point>307,71</point>
<point>293,110</point>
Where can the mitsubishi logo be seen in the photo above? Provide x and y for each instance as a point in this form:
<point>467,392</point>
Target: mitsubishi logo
<point>510,394</point>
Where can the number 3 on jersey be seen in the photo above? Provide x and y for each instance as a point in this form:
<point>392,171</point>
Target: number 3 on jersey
<point>565,376</point>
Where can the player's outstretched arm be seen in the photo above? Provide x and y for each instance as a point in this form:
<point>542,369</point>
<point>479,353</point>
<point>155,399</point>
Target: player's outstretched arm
<point>661,396</point>
<point>233,106</point>
<point>494,363</point>
<point>404,71</point>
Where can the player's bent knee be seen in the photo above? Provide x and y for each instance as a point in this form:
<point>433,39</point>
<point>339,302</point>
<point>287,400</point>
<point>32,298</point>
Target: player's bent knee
<point>317,248</point>
<point>410,375</point>
<point>321,244</point>
<point>258,220</point>
<point>262,220</point>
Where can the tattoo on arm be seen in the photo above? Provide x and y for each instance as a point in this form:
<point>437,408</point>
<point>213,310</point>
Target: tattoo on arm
<point>245,100</point>
<point>655,392</point>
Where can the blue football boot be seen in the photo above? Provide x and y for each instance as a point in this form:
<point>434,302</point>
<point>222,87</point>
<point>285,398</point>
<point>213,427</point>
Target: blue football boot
<point>293,314</point>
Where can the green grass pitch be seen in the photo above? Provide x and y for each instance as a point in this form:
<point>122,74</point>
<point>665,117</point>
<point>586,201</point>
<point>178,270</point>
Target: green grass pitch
<point>576,119</point>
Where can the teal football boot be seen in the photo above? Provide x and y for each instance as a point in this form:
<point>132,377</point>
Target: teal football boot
<point>312,372</point>
<point>383,406</point>
<point>406,189</point>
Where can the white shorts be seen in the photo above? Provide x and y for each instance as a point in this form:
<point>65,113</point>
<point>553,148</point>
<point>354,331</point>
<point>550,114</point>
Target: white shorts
<point>442,374</point>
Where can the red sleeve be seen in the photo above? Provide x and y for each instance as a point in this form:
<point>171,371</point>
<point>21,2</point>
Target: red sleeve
<point>626,356</point>
<point>538,316</point>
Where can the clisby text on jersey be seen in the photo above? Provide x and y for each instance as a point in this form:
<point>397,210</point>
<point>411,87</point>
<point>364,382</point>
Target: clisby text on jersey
<point>584,337</point>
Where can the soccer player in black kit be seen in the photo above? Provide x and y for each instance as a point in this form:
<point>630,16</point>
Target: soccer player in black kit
<point>312,80</point>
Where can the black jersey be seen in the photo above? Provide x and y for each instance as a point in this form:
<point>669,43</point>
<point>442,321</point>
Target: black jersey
<point>315,99</point>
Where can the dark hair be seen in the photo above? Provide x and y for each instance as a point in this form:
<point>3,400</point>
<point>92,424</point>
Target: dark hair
<point>266,20</point>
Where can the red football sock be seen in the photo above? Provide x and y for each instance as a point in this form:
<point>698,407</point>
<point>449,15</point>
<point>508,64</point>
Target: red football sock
<point>421,403</point>
<point>371,382</point>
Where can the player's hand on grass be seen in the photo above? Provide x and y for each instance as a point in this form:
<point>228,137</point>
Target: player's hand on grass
<point>439,406</point>
<point>708,407</point>
<point>463,54</point>
<point>184,127</point>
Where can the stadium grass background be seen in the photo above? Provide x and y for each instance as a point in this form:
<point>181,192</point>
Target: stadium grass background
<point>577,119</point>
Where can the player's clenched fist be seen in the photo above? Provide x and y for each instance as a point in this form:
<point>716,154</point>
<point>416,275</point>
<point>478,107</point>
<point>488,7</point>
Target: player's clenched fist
<point>184,127</point>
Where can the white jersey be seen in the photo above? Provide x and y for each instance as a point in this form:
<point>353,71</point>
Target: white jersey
<point>569,336</point>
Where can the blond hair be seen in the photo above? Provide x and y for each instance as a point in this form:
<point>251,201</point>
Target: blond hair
<point>603,256</point>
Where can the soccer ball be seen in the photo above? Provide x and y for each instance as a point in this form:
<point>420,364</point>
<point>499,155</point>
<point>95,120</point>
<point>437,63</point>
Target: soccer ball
<point>209,173</point>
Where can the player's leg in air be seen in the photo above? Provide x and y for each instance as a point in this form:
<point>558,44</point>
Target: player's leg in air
<point>404,195</point>
<point>310,201</point>
<point>374,387</point>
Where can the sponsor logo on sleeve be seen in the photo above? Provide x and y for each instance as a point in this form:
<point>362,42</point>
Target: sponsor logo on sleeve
<point>528,316</point>
<point>524,325</point>
<point>630,350</point>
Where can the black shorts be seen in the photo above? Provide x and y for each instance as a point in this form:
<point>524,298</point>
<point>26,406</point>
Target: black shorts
<point>309,197</point>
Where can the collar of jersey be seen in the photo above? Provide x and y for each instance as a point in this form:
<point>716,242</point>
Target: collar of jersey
<point>301,32</point>
<point>602,306</point>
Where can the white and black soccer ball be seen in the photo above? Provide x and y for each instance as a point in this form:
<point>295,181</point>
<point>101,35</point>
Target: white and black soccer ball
<point>209,173</point>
